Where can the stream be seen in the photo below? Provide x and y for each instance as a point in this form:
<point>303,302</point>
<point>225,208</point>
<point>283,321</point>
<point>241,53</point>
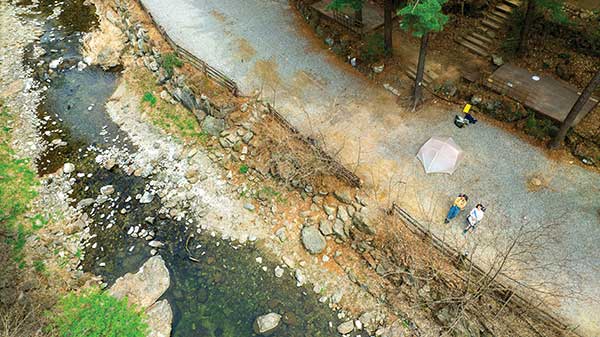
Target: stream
<point>222,293</point>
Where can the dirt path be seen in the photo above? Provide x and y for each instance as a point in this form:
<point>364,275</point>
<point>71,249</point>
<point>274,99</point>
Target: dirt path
<point>363,123</point>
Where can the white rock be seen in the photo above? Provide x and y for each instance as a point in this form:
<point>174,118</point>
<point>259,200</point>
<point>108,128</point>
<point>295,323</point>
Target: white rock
<point>266,323</point>
<point>278,271</point>
<point>68,168</point>
<point>55,63</point>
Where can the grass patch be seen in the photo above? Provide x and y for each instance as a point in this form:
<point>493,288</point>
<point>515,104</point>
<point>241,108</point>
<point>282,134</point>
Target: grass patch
<point>39,266</point>
<point>149,98</point>
<point>95,313</point>
<point>170,61</point>
<point>17,188</point>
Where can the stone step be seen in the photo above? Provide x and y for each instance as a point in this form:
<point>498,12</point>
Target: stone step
<point>504,15</point>
<point>491,24</point>
<point>496,19</point>
<point>486,31</point>
<point>513,3</point>
<point>472,38</point>
<point>472,47</point>
<point>483,37</point>
<point>411,72</point>
<point>504,8</point>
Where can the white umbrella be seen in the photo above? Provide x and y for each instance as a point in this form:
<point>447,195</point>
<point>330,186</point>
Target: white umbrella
<point>440,155</point>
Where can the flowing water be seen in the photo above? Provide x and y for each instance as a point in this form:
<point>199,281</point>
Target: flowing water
<point>222,293</point>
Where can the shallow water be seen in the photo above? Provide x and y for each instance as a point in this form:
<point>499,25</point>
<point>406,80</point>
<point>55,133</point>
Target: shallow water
<point>223,293</point>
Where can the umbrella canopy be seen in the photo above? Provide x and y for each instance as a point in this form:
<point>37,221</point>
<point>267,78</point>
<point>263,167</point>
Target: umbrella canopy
<point>440,155</point>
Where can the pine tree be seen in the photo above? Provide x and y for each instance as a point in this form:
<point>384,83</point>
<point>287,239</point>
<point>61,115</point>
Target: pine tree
<point>422,17</point>
<point>555,7</point>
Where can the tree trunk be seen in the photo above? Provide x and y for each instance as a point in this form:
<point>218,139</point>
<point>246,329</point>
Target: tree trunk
<point>388,8</point>
<point>529,14</point>
<point>358,17</point>
<point>418,91</point>
<point>579,104</point>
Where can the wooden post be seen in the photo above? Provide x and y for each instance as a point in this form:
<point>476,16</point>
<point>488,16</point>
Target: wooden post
<point>579,104</point>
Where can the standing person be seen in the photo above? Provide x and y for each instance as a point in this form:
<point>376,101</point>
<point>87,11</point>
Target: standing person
<point>459,205</point>
<point>474,218</point>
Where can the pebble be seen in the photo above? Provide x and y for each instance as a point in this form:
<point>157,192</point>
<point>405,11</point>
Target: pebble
<point>278,271</point>
<point>249,206</point>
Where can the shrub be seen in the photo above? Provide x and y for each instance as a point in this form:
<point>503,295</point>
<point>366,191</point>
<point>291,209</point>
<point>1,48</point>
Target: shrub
<point>374,49</point>
<point>96,314</point>
<point>150,98</point>
<point>170,61</point>
<point>244,169</point>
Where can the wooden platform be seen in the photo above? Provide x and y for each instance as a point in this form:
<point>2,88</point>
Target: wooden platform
<point>372,16</point>
<point>548,96</point>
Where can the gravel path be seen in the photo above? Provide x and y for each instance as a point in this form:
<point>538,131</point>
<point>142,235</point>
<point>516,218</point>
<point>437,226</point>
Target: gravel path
<point>260,44</point>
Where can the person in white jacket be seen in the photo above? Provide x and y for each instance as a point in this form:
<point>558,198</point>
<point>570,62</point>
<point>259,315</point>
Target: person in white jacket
<point>474,217</point>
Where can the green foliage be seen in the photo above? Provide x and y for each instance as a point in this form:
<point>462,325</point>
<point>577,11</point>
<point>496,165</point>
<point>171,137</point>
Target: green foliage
<point>96,314</point>
<point>341,4</point>
<point>170,61</point>
<point>150,98</point>
<point>374,48</point>
<point>244,169</point>
<point>423,16</point>
<point>555,7</point>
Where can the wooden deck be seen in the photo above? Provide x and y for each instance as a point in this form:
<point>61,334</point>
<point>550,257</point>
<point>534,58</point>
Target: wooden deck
<point>548,96</point>
<point>372,16</point>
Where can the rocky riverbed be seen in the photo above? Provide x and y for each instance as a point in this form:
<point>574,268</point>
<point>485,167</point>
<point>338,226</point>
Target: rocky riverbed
<point>127,191</point>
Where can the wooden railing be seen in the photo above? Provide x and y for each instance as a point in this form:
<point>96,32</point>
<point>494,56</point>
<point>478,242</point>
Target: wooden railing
<point>336,168</point>
<point>500,288</point>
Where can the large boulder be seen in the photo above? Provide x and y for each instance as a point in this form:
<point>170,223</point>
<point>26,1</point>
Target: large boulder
<point>266,323</point>
<point>213,126</point>
<point>106,45</point>
<point>313,240</point>
<point>159,318</point>
<point>361,221</point>
<point>144,287</point>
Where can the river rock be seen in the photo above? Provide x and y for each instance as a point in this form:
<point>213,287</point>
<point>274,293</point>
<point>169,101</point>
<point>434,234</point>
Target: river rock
<point>104,46</point>
<point>326,227</point>
<point>68,168</point>
<point>107,190</point>
<point>313,240</point>
<point>266,323</point>
<point>146,198</point>
<point>159,318</point>
<point>85,202</point>
<point>346,327</point>
<point>144,287</point>
<point>339,229</point>
<point>362,222</point>
<point>278,271</point>
<point>330,211</point>
<point>213,126</point>
<point>343,197</point>
<point>342,214</point>
<point>186,97</point>
<point>55,63</point>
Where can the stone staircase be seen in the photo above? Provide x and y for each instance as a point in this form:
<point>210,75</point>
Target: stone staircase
<point>428,77</point>
<point>482,40</point>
